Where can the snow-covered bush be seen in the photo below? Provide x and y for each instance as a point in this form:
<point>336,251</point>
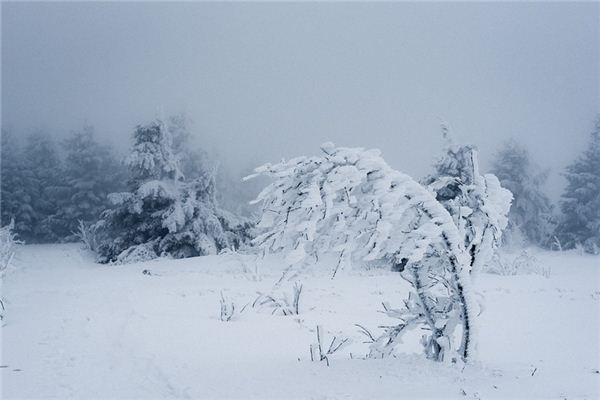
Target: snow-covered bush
<point>162,213</point>
<point>8,241</point>
<point>523,263</point>
<point>227,309</point>
<point>284,305</point>
<point>351,203</point>
<point>87,235</point>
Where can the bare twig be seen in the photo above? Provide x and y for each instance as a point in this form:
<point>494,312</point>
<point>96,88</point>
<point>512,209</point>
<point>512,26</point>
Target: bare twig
<point>365,332</point>
<point>284,305</point>
<point>227,309</point>
<point>335,345</point>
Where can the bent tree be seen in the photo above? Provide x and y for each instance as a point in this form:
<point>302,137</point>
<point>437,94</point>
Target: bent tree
<point>478,204</point>
<point>349,202</point>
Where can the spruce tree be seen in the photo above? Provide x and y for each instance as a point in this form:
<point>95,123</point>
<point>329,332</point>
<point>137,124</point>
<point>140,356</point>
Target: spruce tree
<point>162,213</point>
<point>44,189</point>
<point>580,205</point>
<point>531,215</point>
<point>91,172</point>
<point>14,199</point>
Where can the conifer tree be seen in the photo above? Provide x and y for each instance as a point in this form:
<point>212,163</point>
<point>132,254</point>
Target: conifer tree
<point>580,205</point>
<point>91,172</point>
<point>531,215</point>
<point>44,189</point>
<point>162,213</point>
<point>14,200</point>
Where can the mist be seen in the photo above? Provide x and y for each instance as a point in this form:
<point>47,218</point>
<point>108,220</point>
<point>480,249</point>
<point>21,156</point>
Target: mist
<point>147,252</point>
<point>262,81</point>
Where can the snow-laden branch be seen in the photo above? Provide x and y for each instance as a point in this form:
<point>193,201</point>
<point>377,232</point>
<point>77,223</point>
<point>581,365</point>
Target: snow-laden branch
<point>350,202</point>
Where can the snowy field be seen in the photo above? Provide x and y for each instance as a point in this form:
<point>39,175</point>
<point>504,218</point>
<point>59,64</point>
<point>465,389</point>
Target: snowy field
<point>75,329</point>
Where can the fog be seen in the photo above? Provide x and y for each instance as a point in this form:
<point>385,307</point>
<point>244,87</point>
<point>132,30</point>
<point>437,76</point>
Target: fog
<point>261,81</point>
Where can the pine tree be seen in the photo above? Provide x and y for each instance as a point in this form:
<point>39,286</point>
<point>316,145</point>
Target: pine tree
<point>580,205</point>
<point>14,200</point>
<point>162,213</point>
<point>44,189</point>
<point>531,214</point>
<point>91,172</point>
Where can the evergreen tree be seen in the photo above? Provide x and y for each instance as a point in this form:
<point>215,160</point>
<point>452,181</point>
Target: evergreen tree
<point>580,205</point>
<point>14,200</point>
<point>44,189</point>
<point>530,218</point>
<point>162,213</point>
<point>91,172</point>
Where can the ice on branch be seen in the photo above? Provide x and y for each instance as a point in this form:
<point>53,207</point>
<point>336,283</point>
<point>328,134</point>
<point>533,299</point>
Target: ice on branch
<point>349,202</point>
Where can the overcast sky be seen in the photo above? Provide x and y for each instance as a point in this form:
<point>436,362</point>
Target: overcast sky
<point>263,81</point>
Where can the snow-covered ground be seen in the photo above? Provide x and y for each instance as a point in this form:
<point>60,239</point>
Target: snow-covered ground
<point>75,329</point>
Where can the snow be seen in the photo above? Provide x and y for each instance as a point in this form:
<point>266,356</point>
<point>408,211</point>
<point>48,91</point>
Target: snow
<point>76,329</point>
<point>361,193</point>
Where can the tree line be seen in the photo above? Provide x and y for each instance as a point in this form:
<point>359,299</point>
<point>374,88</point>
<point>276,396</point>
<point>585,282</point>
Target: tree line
<point>51,189</point>
<point>533,218</point>
<point>162,200</point>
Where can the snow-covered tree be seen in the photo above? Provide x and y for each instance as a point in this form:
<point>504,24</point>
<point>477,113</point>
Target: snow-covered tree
<point>530,217</point>
<point>580,206</point>
<point>43,188</point>
<point>14,199</point>
<point>162,213</point>
<point>478,203</point>
<point>91,172</point>
<point>350,203</point>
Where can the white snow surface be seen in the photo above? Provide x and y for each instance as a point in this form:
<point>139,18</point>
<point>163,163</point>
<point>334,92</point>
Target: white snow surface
<point>76,329</point>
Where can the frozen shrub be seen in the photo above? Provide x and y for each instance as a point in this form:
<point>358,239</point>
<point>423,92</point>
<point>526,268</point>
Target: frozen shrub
<point>87,235</point>
<point>284,305</point>
<point>227,309</point>
<point>8,241</point>
<point>524,263</point>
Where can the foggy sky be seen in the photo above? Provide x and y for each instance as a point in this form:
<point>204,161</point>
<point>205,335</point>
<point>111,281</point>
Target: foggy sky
<point>263,81</point>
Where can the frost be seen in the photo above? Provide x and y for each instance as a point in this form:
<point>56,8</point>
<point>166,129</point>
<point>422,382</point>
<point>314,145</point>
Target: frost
<point>350,203</point>
<point>164,214</point>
